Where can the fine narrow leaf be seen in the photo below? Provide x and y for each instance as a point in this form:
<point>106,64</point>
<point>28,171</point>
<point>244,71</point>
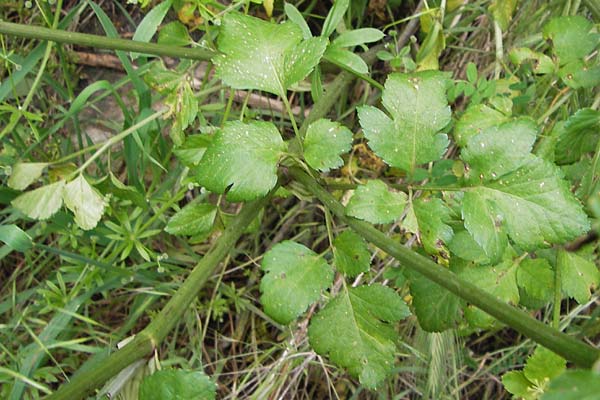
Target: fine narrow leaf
<point>296,17</point>
<point>193,219</point>
<point>294,278</point>
<point>347,59</point>
<point>374,203</point>
<point>354,330</point>
<point>435,307</point>
<point>15,238</point>
<point>335,16</point>
<point>427,217</point>
<point>85,202</point>
<point>24,174</point>
<point>324,142</point>
<point>500,149</point>
<point>419,110</point>
<point>41,203</point>
<point>149,25</point>
<point>256,54</point>
<point>532,204</point>
<point>243,156</point>
<point>351,255</point>
<point>578,275</point>
<point>357,37</point>
<point>177,385</point>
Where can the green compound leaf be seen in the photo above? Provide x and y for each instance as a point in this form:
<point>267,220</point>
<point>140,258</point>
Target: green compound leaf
<point>571,37</point>
<point>85,202</point>
<point>354,329</point>
<point>475,119</point>
<point>419,110</point>
<point>295,277</point>
<point>532,381</point>
<point>177,385</point>
<point>41,203</point>
<point>574,385</point>
<point>578,275</point>
<point>374,203</point>
<point>532,204</point>
<point>499,280</point>
<point>24,174</point>
<point>427,218</point>
<point>193,219</point>
<point>324,142</point>
<point>351,255</point>
<point>435,307</point>
<point>243,156</point>
<point>543,365</point>
<point>256,54</point>
<point>500,149</point>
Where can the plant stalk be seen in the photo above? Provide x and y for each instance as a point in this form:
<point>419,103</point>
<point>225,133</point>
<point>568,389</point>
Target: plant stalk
<point>566,346</point>
<point>150,338</point>
<point>102,42</point>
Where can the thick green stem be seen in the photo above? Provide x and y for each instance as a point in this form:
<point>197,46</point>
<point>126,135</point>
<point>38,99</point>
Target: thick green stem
<point>566,346</point>
<point>102,42</point>
<point>150,338</point>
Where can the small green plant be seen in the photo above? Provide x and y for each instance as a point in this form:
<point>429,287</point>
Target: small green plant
<point>484,192</point>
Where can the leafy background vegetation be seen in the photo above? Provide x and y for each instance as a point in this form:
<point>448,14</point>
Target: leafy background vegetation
<point>122,172</point>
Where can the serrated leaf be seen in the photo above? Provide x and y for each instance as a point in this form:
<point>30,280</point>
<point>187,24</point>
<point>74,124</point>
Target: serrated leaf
<point>419,110</point>
<point>579,135</point>
<point>177,385</point>
<point>517,384</point>
<point>15,238</point>
<point>24,174</point>
<point>475,119</point>
<point>580,74</point>
<point>374,203</point>
<point>41,203</point>
<point>354,330</point>
<point>85,202</point>
<point>542,366</point>
<point>243,156</point>
<point>430,217</point>
<point>357,37</point>
<point>351,255</point>
<point>464,246</point>
<point>578,275</point>
<point>500,149</point>
<point>193,219</point>
<point>571,37</point>
<point>532,204</point>
<point>498,280</point>
<point>324,142</point>
<point>542,63</point>
<point>191,152</point>
<point>294,278</point>
<point>574,385</point>
<point>435,307</point>
<point>256,54</point>
<point>536,278</point>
